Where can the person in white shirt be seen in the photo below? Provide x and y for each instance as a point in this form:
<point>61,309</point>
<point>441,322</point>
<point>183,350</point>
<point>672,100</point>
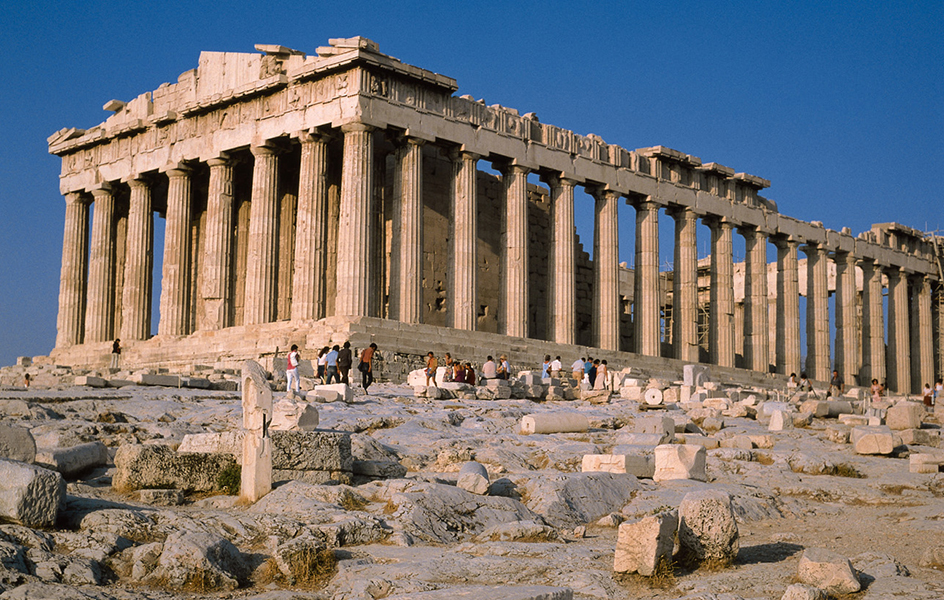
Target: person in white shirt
<point>291,370</point>
<point>489,369</point>
<point>577,368</point>
<point>556,367</point>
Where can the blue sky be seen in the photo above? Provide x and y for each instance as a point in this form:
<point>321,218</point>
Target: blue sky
<point>840,105</point>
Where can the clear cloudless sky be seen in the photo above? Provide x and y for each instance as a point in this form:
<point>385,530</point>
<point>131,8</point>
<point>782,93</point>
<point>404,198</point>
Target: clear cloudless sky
<point>839,104</point>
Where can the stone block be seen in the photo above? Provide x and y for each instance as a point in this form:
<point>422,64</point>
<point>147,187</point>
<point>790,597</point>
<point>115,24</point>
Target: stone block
<point>631,392</point>
<point>819,408</point>
<point>416,378</point>
<point>717,403</point>
<point>24,361</point>
<point>838,434</point>
<point>874,440</point>
<point>30,495</point>
<point>157,466</point>
<point>473,478</point>
<point>696,439</point>
<point>455,386</point>
<point>707,528</point>
<point>379,469</point>
<point>17,443</point>
<point>801,591</point>
<point>925,463</point>
<point>492,392</point>
<point>671,395</point>
<point>742,442</point>
<point>156,380</point>
<point>643,439</point>
<point>675,461</point>
<point>641,464</point>
<point>554,423</point>
<point>90,381</point>
<point>839,407</point>
<point>311,451</point>
<point>828,571</point>
<point>854,420</point>
<point>695,375</point>
<point>641,545</point>
<point>230,442</point>
<point>74,461</point>
<point>904,415</point>
<point>199,383</point>
<point>595,396</point>
<point>780,420</point>
<point>336,392</point>
<point>664,426</point>
<point>920,437</point>
<point>762,440</point>
<point>289,415</point>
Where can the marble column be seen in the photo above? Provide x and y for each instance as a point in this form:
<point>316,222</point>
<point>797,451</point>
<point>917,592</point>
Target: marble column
<point>136,293</point>
<point>70,326</point>
<point>514,284</point>
<point>100,305</point>
<point>353,265</point>
<point>562,268</point>
<point>846,350</point>
<point>685,286</point>
<point>175,277</point>
<point>308,285</point>
<point>817,314</point>
<point>646,308</point>
<point>406,285</point>
<point>721,295</point>
<point>873,324</point>
<point>463,308</point>
<point>898,353</point>
<point>217,272</point>
<point>922,345</point>
<point>262,254</point>
<point>606,304</point>
<point>788,308</point>
<point>756,328</point>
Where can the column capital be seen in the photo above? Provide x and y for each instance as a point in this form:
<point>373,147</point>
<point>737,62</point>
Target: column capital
<point>643,203</point>
<point>313,134</point>
<point>178,169</point>
<point>265,149</point>
<point>784,241</point>
<point>680,211</point>
<point>513,169</point>
<point>104,190</point>
<point>74,198</point>
<point>559,178</point>
<point>139,182</point>
<point>223,160</point>
<point>457,153</point>
<point>357,126</point>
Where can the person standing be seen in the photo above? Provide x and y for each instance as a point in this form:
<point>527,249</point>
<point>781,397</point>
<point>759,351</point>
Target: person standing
<point>331,365</point>
<point>291,370</point>
<point>546,367</point>
<point>115,353</point>
<point>938,391</point>
<point>323,363</point>
<point>345,360</point>
<point>600,382</point>
<point>431,366</point>
<point>366,366</point>
<point>836,385</point>
<point>489,369</point>
<point>577,369</point>
<point>450,367</point>
<point>556,367</point>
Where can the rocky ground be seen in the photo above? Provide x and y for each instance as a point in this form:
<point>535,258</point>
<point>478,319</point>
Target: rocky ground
<point>542,523</point>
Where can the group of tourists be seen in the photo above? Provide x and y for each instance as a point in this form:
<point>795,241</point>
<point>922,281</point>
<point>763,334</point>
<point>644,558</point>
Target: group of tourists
<point>334,365</point>
<point>455,370</point>
<point>592,371</point>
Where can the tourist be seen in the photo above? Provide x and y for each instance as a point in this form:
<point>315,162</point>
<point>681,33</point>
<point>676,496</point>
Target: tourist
<point>876,390</point>
<point>469,374</point>
<point>366,366</point>
<point>431,366</point>
<point>836,385</point>
<point>115,353</point>
<point>938,391</point>
<point>600,381</point>
<point>26,380</point>
<point>587,366</point>
<point>792,382</point>
<point>804,385</point>
<point>323,363</point>
<point>592,373</point>
<point>456,372</point>
<point>556,367</point>
<point>345,360</point>
<point>503,368</point>
<point>577,369</point>
<point>291,369</point>
<point>927,392</point>
<point>546,367</point>
<point>331,365</point>
<point>489,369</point>
<point>450,367</point>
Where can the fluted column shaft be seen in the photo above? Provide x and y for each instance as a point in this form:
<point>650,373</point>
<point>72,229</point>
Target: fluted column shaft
<point>562,271</point>
<point>101,279</point>
<point>217,268</point>
<point>308,285</point>
<point>514,285</point>
<point>175,277</point>
<point>721,295</point>
<point>262,256</point>
<point>136,293</point>
<point>646,317</point>
<point>898,356</point>
<point>463,305</point>
<point>846,295</point>
<point>817,313</point>
<point>606,311</point>
<point>922,346</point>
<point>406,289</point>
<point>873,324</point>
<point>685,287</point>
<point>788,308</point>
<point>354,250</point>
<point>756,328</point>
<point>70,326</point>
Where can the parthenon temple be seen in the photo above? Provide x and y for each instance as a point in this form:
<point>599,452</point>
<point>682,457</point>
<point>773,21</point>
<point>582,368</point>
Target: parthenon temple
<point>348,195</point>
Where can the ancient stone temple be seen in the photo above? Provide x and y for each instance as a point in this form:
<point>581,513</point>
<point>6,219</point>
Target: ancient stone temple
<point>347,195</point>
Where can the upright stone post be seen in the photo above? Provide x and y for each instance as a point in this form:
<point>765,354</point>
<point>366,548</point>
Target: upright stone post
<point>101,279</point>
<point>898,356</point>
<point>217,274</point>
<point>685,286</point>
<point>817,313</point>
<point>308,286</point>
<point>354,264</point>
<point>873,324</point>
<point>70,326</point>
<point>721,294</point>
<point>175,277</point>
<point>646,308</point>
<point>562,270</point>
<point>846,310</point>
<point>514,284</point>
<point>788,307</point>
<point>606,306</point>
<point>256,480</point>
<point>922,345</point>
<point>136,293</point>
<point>262,256</point>
<point>756,328</point>
<point>463,308</point>
<point>406,286</point>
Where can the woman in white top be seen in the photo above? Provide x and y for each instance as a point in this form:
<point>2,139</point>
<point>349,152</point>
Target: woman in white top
<point>602,372</point>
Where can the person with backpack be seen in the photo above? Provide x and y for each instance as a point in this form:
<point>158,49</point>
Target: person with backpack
<point>291,370</point>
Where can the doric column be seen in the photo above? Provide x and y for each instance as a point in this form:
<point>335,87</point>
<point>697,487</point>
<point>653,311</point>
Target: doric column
<point>308,285</point>
<point>817,313</point>
<point>217,268</point>
<point>898,355</point>
<point>922,346</point>
<point>788,308</point>
<point>562,270</point>
<point>463,309</point>
<point>756,328</point>
<point>353,266</point>
<point>846,294</point>
<point>101,279</point>
<point>514,284</point>
<point>406,285</point>
<point>721,295</point>
<point>70,326</point>
<point>606,306</point>
<point>685,286</point>
<point>136,293</point>
<point>175,278</point>
<point>873,324</point>
<point>262,258</point>
<point>646,307</point>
